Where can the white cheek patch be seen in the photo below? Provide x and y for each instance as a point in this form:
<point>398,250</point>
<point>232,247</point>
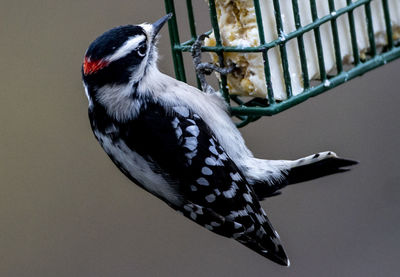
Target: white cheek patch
<point>126,48</point>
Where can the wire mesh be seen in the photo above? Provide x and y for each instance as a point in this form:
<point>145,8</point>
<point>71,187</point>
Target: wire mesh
<point>247,111</point>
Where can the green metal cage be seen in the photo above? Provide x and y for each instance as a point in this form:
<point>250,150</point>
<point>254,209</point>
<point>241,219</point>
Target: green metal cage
<point>249,111</point>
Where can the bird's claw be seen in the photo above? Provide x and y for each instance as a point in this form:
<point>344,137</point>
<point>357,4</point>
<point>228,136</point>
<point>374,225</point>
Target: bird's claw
<point>203,69</point>
<point>208,68</point>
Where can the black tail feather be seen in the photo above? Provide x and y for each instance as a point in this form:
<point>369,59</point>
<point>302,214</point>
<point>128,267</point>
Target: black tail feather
<point>278,257</point>
<point>269,246</point>
<point>319,169</point>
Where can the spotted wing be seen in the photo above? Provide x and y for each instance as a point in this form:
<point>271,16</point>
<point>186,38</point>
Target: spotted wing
<point>215,195</point>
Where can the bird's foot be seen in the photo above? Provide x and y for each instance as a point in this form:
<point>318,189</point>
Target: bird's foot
<point>203,69</point>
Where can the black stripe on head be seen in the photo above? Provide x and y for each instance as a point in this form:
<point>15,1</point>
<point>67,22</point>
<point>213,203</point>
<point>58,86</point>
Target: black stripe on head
<point>110,41</point>
<point>117,71</point>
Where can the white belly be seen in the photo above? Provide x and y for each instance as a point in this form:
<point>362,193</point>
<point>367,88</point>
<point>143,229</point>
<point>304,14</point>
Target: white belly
<point>136,166</point>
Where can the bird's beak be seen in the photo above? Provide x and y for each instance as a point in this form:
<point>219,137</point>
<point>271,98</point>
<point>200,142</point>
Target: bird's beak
<point>159,23</point>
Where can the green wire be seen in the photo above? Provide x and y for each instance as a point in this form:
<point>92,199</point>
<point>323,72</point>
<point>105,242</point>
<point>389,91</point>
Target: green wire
<point>249,111</point>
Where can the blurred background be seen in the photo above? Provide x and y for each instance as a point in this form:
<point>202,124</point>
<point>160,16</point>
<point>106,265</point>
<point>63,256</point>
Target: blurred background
<point>65,209</point>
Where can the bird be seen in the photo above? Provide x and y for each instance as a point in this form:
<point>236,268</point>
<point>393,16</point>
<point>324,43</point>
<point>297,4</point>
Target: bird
<point>180,144</point>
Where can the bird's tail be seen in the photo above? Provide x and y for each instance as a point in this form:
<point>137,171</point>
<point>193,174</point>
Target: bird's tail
<point>301,170</point>
<point>317,165</point>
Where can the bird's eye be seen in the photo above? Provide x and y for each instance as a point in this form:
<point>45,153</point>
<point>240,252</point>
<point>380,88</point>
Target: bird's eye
<point>142,50</point>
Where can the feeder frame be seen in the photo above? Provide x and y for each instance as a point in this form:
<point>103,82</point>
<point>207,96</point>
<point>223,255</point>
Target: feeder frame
<point>252,110</point>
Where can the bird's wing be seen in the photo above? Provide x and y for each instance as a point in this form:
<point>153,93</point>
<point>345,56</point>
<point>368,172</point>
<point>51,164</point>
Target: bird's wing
<point>215,194</point>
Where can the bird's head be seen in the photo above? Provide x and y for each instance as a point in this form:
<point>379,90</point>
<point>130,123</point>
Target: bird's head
<point>121,55</point>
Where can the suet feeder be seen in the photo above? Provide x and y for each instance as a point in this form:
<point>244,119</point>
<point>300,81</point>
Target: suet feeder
<point>374,21</point>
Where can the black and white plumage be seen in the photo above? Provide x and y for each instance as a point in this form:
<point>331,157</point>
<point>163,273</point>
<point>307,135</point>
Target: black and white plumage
<point>179,143</point>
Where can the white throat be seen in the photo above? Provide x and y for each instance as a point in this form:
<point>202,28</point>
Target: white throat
<point>118,101</point>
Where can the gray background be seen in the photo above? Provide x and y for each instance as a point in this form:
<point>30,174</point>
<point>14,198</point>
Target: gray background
<point>65,210</point>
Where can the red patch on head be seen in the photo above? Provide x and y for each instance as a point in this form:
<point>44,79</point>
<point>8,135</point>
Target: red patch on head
<point>90,67</point>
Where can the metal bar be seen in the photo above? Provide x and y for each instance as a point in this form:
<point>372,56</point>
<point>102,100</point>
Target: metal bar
<point>247,120</point>
<point>193,33</point>
<point>300,43</point>
<point>259,22</point>
<point>389,31</point>
<point>336,43</point>
<point>282,49</point>
<point>188,42</point>
<point>174,38</point>
<point>187,48</point>
<point>192,40</point>
<point>214,23</point>
<point>237,100</point>
<point>343,77</point>
<point>318,43</point>
<point>370,26</point>
<point>192,24</point>
<point>294,34</point>
<point>267,71</point>
<point>353,35</point>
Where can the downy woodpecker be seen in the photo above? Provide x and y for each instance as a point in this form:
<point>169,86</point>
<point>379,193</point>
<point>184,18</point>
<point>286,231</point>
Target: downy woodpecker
<point>180,144</point>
